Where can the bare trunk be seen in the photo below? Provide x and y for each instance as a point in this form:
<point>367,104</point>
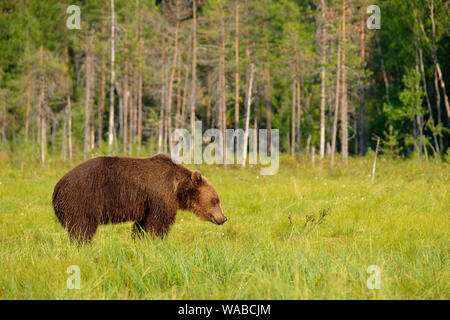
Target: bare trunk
<point>362,99</point>
<point>132,109</point>
<point>101,106</point>
<point>247,55</point>
<point>27,114</point>
<point>375,160</point>
<point>323,75</point>
<point>436,61</point>
<point>337,100</point>
<point>161,111</point>
<point>41,108</point>
<point>169,96</point>
<point>383,69</point>
<point>4,124</point>
<point>344,103</point>
<point>299,116</point>
<point>185,96</point>
<point>223,94</point>
<point>208,101</point>
<point>125,108</point>
<point>268,103</point>
<point>87,105</point>
<point>444,90</point>
<point>139,84</point>
<point>438,106</point>
<point>43,135</point>
<point>178,111</point>
<point>139,106</point>
<point>64,135</point>
<point>194,71</point>
<point>236,76</point>
<point>69,126</point>
<point>424,82</point>
<point>293,118</point>
<point>111,97</point>
<point>247,114</point>
<point>66,122</point>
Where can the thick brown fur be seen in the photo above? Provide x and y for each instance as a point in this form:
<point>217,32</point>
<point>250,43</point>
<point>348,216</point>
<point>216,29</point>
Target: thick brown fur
<point>147,191</point>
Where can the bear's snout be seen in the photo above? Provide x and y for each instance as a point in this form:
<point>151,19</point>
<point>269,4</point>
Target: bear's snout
<point>223,220</point>
<point>219,219</point>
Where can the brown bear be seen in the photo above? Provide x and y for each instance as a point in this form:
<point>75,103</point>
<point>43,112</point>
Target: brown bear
<point>147,191</point>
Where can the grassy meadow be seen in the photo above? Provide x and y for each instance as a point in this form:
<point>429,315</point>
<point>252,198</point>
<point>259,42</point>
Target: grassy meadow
<point>305,233</point>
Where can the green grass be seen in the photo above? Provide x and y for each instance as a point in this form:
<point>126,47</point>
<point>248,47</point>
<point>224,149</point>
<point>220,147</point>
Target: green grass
<point>399,223</point>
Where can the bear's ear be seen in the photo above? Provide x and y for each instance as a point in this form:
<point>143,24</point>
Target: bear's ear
<point>196,178</point>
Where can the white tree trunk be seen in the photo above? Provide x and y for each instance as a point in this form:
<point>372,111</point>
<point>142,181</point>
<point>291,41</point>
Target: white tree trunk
<point>322,82</point>
<point>247,114</point>
<point>111,96</point>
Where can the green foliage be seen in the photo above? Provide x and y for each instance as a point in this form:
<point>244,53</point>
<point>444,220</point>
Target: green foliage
<point>447,156</point>
<point>411,99</point>
<point>391,145</point>
<point>281,38</point>
<point>412,96</point>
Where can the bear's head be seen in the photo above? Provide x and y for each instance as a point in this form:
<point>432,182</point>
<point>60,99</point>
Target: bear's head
<point>199,196</point>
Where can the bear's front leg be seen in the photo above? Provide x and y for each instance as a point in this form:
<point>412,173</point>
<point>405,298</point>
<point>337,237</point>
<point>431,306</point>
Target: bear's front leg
<point>158,219</point>
<point>138,230</point>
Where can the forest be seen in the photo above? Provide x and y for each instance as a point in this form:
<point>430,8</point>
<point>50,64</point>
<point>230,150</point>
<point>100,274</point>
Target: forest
<point>127,73</point>
<point>343,83</point>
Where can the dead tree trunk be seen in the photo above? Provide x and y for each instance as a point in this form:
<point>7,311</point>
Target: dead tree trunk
<point>163,94</point>
<point>101,106</point>
<point>383,69</point>
<point>293,118</point>
<point>184,101</point>
<point>268,102</point>
<point>337,100</point>
<point>139,80</point>
<point>247,114</point>
<point>69,126</point>
<point>323,75</point>
<point>27,114</point>
<point>223,94</point>
<point>87,104</point>
<point>344,103</point>
<point>427,98</point>
<point>362,98</point>
<point>209,99</point>
<point>111,97</point>
<point>299,116</point>
<point>131,108</point>
<point>435,58</point>
<point>178,111</point>
<point>4,123</point>
<point>236,75</point>
<point>194,71</point>
<point>41,107</point>
<point>125,108</point>
<point>169,95</point>
<point>438,106</point>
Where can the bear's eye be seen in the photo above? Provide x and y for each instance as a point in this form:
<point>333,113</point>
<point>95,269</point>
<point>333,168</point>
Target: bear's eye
<point>214,201</point>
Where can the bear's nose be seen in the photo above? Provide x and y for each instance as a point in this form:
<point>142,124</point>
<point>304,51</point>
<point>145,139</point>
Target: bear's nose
<point>225,219</point>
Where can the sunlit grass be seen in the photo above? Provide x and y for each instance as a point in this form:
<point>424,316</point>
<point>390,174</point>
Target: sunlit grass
<point>399,223</point>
